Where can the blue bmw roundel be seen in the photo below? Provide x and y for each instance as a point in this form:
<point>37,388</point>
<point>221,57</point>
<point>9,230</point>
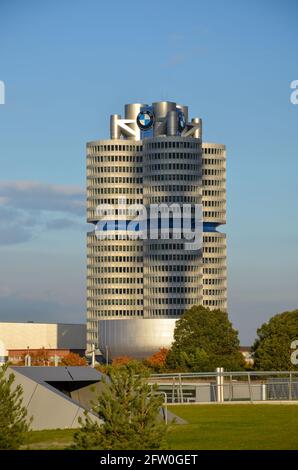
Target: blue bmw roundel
<point>145,120</point>
<point>181,121</point>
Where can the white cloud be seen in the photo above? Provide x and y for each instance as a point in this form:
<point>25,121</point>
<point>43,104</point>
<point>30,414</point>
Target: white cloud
<point>31,195</point>
<point>28,208</point>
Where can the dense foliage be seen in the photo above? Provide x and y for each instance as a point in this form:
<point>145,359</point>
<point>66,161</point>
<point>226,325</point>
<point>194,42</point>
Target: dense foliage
<point>272,349</point>
<point>14,425</point>
<point>157,362</point>
<point>73,359</point>
<point>203,340</point>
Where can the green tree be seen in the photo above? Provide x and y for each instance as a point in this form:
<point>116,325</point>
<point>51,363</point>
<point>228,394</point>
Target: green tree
<point>272,348</point>
<point>203,340</point>
<point>130,414</point>
<point>14,425</point>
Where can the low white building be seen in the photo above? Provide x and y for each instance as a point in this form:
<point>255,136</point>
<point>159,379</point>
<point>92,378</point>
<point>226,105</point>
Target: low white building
<point>17,338</point>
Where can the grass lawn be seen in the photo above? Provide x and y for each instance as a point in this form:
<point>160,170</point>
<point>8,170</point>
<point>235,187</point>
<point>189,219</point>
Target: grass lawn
<point>235,427</point>
<point>50,439</point>
<point>211,427</point>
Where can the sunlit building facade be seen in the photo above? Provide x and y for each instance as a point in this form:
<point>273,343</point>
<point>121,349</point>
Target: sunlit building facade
<point>155,156</point>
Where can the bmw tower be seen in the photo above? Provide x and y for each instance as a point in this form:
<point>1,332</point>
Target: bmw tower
<point>138,286</point>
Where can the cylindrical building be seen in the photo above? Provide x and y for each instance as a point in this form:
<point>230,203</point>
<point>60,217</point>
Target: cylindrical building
<point>172,176</point>
<point>214,214</point>
<point>114,266</point>
<point>155,158</point>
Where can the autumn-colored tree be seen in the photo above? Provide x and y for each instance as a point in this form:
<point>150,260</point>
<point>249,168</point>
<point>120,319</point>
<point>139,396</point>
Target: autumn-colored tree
<point>102,368</point>
<point>73,359</point>
<point>139,367</point>
<point>40,357</point>
<point>157,360</point>
<point>121,360</point>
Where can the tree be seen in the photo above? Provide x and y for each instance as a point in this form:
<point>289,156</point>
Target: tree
<point>40,358</point>
<point>203,340</point>
<point>14,425</point>
<point>121,360</point>
<point>272,348</point>
<point>73,359</point>
<point>130,413</point>
<point>158,360</point>
<point>137,366</point>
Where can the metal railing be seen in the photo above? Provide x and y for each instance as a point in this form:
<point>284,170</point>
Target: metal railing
<point>221,387</point>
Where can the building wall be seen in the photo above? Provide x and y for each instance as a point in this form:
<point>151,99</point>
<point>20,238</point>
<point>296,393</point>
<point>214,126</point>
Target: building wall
<point>214,270</point>
<point>15,336</point>
<point>114,267</point>
<point>49,408</point>
<point>214,213</point>
<point>71,336</point>
<point>136,337</point>
<point>172,274</point>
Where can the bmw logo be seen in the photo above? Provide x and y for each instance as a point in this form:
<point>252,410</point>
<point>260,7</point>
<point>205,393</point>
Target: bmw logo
<point>145,120</point>
<point>181,122</point>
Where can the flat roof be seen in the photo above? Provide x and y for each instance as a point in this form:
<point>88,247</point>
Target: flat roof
<point>61,373</point>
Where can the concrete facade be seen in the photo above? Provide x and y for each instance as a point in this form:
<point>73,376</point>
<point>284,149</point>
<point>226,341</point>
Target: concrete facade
<point>214,270</point>
<point>52,336</point>
<point>56,397</point>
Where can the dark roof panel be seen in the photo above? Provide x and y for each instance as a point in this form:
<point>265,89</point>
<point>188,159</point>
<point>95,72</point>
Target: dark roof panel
<point>57,374</point>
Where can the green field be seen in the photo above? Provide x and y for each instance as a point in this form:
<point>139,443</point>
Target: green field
<point>236,427</point>
<point>212,427</point>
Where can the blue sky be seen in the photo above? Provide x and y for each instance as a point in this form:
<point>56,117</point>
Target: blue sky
<point>67,65</point>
